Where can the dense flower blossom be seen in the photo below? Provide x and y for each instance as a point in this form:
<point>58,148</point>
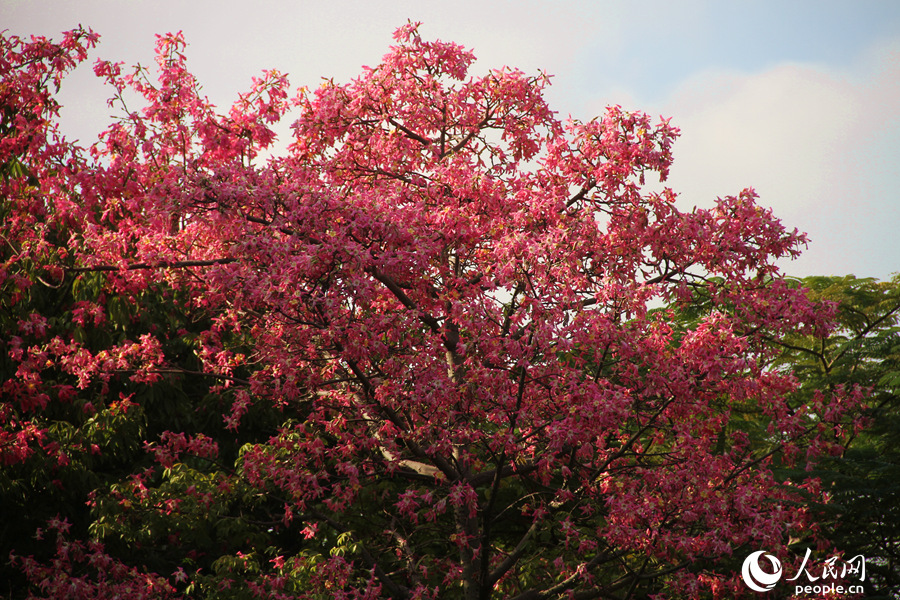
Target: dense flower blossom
<point>504,367</point>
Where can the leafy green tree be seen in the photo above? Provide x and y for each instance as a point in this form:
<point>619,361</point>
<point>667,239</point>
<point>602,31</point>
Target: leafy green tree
<point>862,515</point>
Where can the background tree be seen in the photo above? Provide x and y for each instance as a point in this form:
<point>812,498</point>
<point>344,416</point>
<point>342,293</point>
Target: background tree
<point>412,358</point>
<point>863,481</point>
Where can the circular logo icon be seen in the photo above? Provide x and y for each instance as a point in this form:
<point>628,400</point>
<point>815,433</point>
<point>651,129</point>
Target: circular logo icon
<point>757,579</point>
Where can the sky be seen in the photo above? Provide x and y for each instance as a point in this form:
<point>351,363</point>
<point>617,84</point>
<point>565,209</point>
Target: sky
<point>798,99</point>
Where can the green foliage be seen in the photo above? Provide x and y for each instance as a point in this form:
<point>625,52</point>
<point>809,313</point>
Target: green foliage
<point>863,515</point>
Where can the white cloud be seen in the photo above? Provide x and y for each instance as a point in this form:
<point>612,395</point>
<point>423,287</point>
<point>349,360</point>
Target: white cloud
<point>804,137</point>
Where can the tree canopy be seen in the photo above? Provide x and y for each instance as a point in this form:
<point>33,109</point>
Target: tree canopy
<point>419,354</point>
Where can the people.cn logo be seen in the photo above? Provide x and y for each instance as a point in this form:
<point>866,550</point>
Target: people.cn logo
<point>757,579</point>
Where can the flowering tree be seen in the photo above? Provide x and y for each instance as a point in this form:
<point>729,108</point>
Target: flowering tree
<point>425,334</point>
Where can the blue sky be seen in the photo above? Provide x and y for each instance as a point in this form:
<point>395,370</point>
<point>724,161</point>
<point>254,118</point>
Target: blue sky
<point>798,99</point>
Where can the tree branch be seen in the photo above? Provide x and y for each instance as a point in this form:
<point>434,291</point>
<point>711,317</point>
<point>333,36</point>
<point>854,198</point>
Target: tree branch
<point>163,264</point>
